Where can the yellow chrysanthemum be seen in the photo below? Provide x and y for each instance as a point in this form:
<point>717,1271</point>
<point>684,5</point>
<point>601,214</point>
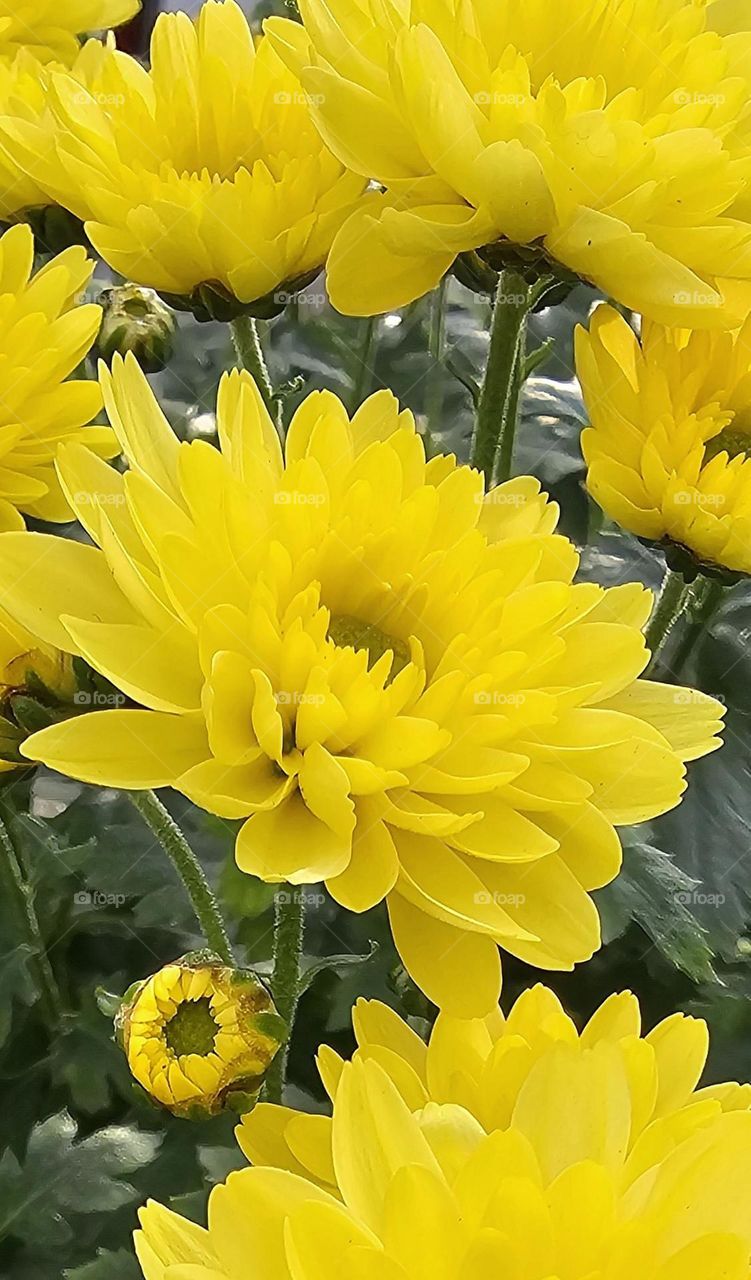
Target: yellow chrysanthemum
<point>506,1072</point>
<point>44,335</point>
<point>667,451</point>
<point>390,675</point>
<point>203,176</point>
<point>25,105</point>
<point>26,666</point>
<point>612,136</point>
<point>51,29</point>
<point>577,1184</point>
<point>200,1036</point>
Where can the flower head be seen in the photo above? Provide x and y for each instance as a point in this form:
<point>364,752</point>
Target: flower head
<point>28,668</point>
<point>51,30</point>
<point>27,121</point>
<point>388,675</point>
<point>594,1173</point>
<point>44,335</point>
<point>135,319</point>
<point>204,177</point>
<point>500,1068</point>
<point>608,136</point>
<point>668,448</point>
<point>200,1036</point>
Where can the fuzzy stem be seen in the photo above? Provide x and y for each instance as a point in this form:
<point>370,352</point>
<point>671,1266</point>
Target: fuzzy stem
<point>289,926</point>
<point>670,603</point>
<point>363,378</point>
<point>247,342</point>
<point>188,868</point>
<point>495,425</point>
<point>19,892</point>
<point>706,595</point>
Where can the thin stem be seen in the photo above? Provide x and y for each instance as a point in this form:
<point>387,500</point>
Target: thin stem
<point>364,372</point>
<point>188,868</point>
<point>505,455</point>
<point>436,344</point>
<point>670,603</point>
<point>19,892</point>
<point>495,425</point>
<point>289,926</point>
<point>706,595</point>
<point>247,342</point>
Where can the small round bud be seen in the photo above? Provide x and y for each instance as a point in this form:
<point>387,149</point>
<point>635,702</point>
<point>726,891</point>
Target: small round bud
<point>200,1036</point>
<point>136,319</point>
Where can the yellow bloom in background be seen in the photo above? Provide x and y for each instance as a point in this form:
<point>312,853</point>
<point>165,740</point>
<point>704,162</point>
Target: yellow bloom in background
<point>512,1073</point>
<point>562,1189</point>
<point>27,667</point>
<point>25,106</point>
<point>51,29</point>
<point>388,675</point>
<point>667,451</point>
<point>610,136</point>
<point>200,1036</point>
<point>44,335</point>
<point>203,176</point>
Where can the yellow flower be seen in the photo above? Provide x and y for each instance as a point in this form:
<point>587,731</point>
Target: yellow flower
<point>202,177</point>
<point>44,335</point>
<point>27,667</point>
<point>390,676</point>
<point>200,1036</point>
<point>609,136</point>
<point>501,1071</point>
<point>667,451</point>
<point>25,108</point>
<point>563,1188</point>
<point>51,29</point>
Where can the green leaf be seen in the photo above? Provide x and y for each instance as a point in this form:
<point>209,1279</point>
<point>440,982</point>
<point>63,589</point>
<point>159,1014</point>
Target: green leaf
<point>332,964</point>
<point>652,891</point>
<point>61,1178</point>
<point>107,1265</point>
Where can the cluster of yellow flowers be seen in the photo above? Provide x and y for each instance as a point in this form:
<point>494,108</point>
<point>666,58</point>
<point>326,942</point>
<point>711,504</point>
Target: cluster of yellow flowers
<point>388,675</point>
<point>514,1148</point>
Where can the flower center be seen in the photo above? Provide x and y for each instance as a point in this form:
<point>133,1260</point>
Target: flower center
<point>192,1028</point>
<point>732,441</point>
<point>353,633</point>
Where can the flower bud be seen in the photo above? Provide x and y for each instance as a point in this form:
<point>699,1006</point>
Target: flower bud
<point>200,1036</point>
<point>35,680</point>
<point>135,319</point>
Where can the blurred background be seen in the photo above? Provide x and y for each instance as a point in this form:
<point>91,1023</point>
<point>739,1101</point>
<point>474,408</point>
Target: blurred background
<point>80,1150</point>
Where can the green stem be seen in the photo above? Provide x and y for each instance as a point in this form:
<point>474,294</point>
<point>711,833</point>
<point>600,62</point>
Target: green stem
<point>247,342</point>
<point>188,868</point>
<point>289,925</point>
<point>670,603</point>
<point>495,425</point>
<point>364,373</point>
<point>436,345</point>
<point>706,595</point>
<point>19,893</point>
